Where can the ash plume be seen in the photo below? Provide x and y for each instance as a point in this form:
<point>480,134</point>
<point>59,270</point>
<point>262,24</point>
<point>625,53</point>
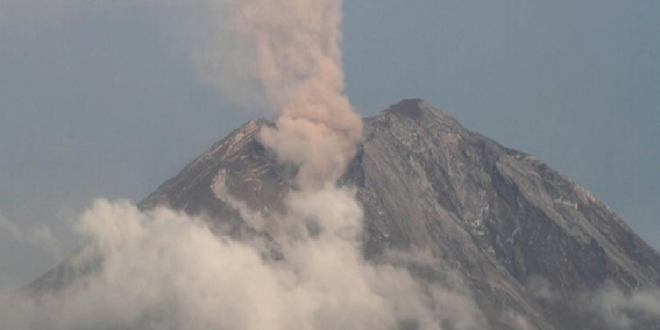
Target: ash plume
<point>297,59</point>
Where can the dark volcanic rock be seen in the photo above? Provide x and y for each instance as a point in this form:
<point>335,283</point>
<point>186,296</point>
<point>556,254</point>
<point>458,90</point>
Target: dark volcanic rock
<point>527,241</point>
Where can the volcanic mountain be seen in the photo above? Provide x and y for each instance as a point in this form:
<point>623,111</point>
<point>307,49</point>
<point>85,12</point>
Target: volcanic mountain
<point>534,249</point>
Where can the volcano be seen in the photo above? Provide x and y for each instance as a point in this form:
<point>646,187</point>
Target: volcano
<point>534,249</point>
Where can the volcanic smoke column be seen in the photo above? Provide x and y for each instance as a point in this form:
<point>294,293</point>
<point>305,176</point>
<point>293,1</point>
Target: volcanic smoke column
<point>298,62</point>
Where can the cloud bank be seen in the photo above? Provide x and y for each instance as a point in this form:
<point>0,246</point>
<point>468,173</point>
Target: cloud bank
<point>625,310</point>
<point>165,270</point>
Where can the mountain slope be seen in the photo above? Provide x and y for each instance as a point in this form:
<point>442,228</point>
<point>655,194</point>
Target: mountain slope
<point>527,242</point>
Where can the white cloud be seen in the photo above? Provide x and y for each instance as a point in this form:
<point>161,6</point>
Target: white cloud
<point>39,237</point>
<point>22,250</point>
<point>614,307</point>
<point>624,311</point>
<point>166,270</point>
<point>540,288</point>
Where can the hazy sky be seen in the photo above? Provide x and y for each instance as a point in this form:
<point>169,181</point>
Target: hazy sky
<point>102,99</point>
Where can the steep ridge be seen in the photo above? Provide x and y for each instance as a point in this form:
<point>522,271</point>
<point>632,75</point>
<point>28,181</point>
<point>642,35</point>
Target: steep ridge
<point>526,242</point>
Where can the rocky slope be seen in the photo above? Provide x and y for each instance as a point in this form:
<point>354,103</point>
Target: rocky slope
<point>527,242</point>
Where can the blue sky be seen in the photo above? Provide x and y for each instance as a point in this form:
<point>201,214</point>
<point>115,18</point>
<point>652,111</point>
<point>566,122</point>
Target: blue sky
<point>102,99</point>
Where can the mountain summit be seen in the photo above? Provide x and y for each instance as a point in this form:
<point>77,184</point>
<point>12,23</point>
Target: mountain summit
<point>534,249</point>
